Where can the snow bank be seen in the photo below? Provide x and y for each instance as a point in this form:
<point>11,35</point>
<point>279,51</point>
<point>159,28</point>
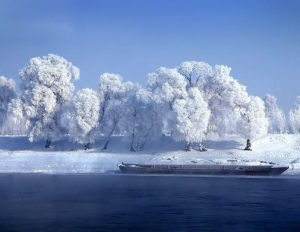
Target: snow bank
<point>19,155</point>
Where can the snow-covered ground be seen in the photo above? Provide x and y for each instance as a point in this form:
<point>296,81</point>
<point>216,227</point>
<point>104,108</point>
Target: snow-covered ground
<point>19,155</point>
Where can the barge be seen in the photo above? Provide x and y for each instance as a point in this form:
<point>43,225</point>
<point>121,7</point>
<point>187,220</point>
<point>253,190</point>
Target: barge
<point>263,168</point>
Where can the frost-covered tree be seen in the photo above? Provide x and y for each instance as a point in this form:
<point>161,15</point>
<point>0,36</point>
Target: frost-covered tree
<point>83,116</point>
<point>232,110</point>
<point>196,73</point>
<point>47,87</point>
<point>16,122</point>
<point>141,122</point>
<point>7,94</point>
<point>253,122</point>
<point>277,122</point>
<point>294,117</point>
<point>110,87</point>
<point>224,95</point>
<point>180,110</point>
<point>166,86</point>
<point>112,93</point>
<point>192,117</point>
<point>15,111</point>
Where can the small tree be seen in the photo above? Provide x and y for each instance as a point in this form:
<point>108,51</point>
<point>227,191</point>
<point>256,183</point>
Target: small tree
<point>294,117</point>
<point>47,87</point>
<point>277,122</point>
<point>16,117</point>
<point>83,116</point>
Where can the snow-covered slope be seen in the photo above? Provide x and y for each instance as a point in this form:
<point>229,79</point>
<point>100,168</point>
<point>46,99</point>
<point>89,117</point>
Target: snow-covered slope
<point>19,155</point>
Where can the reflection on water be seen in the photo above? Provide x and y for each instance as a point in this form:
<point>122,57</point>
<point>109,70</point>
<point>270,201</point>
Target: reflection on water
<point>34,202</point>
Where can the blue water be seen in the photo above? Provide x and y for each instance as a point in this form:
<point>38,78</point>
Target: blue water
<point>35,202</point>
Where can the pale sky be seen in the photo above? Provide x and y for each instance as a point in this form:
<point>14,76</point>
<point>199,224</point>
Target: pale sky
<point>259,39</point>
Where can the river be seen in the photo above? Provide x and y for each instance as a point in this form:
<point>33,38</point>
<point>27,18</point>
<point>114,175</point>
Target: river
<point>41,202</point>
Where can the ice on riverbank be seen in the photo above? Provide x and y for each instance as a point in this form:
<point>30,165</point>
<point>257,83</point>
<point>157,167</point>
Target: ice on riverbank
<point>18,155</point>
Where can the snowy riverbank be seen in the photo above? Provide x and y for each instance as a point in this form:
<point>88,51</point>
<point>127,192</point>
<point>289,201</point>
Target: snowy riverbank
<point>19,155</point>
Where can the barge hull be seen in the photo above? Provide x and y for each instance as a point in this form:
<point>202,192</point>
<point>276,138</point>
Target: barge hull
<point>201,169</point>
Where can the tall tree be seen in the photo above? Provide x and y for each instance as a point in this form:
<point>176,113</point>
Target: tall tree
<point>47,87</point>
<point>141,122</point>
<point>182,106</point>
<point>112,93</point>
<point>224,94</point>
<point>232,109</point>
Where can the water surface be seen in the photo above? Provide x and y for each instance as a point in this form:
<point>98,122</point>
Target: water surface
<point>37,202</point>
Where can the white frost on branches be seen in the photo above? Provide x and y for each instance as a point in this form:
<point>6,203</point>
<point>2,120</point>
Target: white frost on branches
<point>113,94</point>
<point>110,87</point>
<point>253,122</point>
<point>83,116</point>
<point>47,85</point>
<point>190,102</point>
<point>7,94</point>
<point>141,122</point>
<point>184,112</point>
<point>277,122</point>
<point>192,117</point>
<point>167,85</point>
<point>232,109</point>
<point>223,94</point>
<point>294,117</point>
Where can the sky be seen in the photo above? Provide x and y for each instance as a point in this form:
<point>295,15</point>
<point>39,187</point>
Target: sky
<point>259,39</point>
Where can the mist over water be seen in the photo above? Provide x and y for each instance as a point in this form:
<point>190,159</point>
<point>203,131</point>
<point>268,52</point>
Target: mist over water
<point>37,202</point>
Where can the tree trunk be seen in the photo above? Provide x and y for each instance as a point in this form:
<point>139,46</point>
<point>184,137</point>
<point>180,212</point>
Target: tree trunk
<point>248,146</point>
<point>108,136</point>
<point>103,108</point>
<point>188,146</point>
<point>133,134</point>
<point>132,149</point>
<point>87,146</point>
<point>106,144</point>
<point>132,142</point>
<point>201,147</point>
<point>146,137</point>
<point>48,143</point>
